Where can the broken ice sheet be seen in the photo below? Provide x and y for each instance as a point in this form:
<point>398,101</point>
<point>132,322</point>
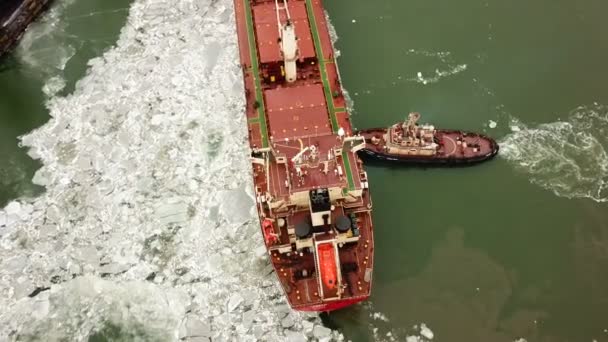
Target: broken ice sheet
<point>236,205</point>
<point>139,202</point>
<point>172,210</point>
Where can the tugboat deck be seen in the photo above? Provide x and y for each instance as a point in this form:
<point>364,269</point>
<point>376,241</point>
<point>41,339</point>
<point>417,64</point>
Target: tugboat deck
<point>409,143</point>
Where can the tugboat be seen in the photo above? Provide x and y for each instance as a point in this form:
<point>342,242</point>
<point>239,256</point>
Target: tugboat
<point>15,16</point>
<point>407,142</point>
<point>312,194</point>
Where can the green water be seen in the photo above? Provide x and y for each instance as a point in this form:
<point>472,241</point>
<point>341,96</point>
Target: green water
<point>478,254</point>
<point>74,31</point>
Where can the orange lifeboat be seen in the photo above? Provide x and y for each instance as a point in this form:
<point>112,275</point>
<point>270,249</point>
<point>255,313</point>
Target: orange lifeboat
<point>270,236</point>
<point>327,263</point>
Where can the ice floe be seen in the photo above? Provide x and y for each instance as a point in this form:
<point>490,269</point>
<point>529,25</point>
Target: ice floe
<point>146,228</point>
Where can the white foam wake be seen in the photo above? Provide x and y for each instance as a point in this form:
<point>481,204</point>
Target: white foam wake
<point>447,67</point>
<point>441,65</point>
<point>567,157</point>
<point>46,47</point>
<point>146,228</point>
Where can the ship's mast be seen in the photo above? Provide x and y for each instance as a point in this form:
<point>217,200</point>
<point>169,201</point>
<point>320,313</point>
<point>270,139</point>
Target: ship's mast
<point>288,41</point>
<point>409,126</point>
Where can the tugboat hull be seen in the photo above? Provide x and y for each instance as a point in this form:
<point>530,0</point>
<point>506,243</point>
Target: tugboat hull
<point>451,155</point>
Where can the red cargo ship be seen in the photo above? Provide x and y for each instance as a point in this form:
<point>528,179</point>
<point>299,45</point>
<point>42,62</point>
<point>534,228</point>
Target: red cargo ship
<point>312,194</point>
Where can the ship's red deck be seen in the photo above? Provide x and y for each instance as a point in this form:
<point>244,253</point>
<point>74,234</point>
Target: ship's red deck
<point>297,112</point>
<point>355,258</point>
<point>267,30</point>
<point>315,177</point>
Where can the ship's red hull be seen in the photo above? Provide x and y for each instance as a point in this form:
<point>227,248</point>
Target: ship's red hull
<point>331,306</point>
<point>311,190</point>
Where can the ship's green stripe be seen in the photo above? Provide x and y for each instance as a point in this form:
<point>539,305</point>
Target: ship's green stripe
<point>254,65</point>
<point>328,95</point>
<point>319,49</point>
<point>349,173</point>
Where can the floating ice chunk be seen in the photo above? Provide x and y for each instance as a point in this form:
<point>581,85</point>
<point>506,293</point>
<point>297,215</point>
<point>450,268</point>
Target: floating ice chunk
<point>521,340</point>
<point>261,252</point>
<point>282,310</point>
<point>13,208</point>
<point>288,321</point>
<point>234,301</point>
<point>193,327</point>
<point>173,211</point>
<point>22,288</point>
<point>492,124</point>
<point>211,55</point>
<point>420,76</point>
<point>113,268</point>
<point>320,331</point>
<point>515,128</point>
<point>413,338</point>
<point>41,178</point>
<point>54,85</point>
<point>41,306</point>
<point>74,269</point>
<point>426,332</point>
<point>3,218</point>
<point>88,254</point>
<point>14,213</point>
<point>198,339</point>
<point>379,316</point>
<point>15,264</point>
<point>248,317</point>
<point>354,20</point>
<point>293,336</point>
<point>308,326</point>
<point>236,204</point>
<point>26,211</point>
<point>157,120</point>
